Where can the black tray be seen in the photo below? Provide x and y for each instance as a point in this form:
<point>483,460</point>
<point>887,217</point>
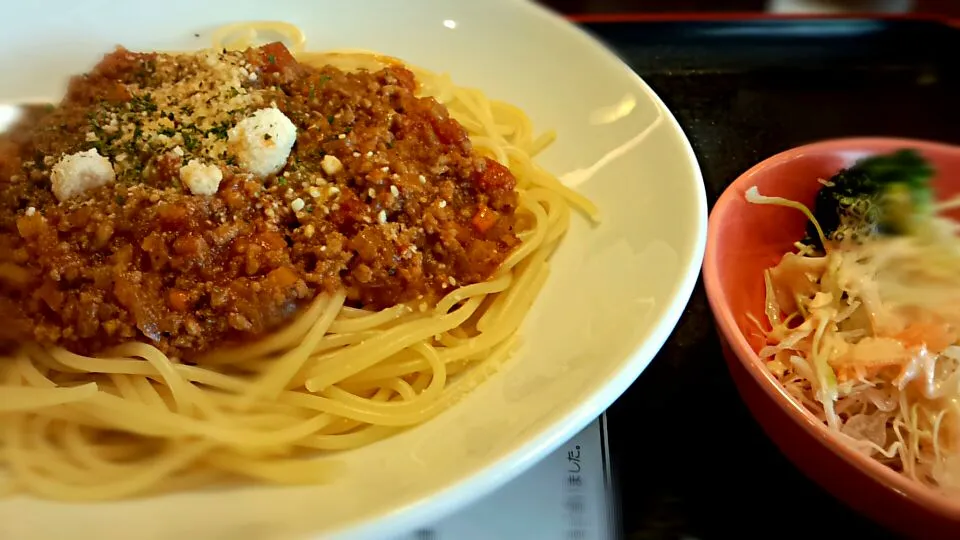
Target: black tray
<point>689,461</point>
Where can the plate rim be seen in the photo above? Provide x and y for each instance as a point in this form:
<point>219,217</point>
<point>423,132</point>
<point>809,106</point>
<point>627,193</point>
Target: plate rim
<point>460,490</point>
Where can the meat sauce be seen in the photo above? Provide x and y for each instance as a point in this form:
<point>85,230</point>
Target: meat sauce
<point>409,212</point>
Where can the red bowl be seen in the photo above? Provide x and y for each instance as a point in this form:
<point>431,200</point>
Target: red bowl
<point>743,239</point>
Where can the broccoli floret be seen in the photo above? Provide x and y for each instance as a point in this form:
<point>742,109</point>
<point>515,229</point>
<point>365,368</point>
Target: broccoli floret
<point>881,194</point>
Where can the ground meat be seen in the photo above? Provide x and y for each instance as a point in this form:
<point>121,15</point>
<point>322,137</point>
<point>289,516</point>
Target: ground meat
<point>382,195</point>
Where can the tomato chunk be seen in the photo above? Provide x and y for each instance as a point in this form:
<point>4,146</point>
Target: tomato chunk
<point>448,130</point>
<point>495,177</point>
<point>274,58</point>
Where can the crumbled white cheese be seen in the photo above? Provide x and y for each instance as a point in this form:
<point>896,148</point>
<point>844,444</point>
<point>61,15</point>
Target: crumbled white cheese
<point>80,172</point>
<point>201,179</point>
<point>331,165</point>
<point>262,141</point>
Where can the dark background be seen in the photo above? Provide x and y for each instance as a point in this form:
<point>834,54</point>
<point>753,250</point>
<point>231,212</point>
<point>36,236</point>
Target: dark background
<point>689,460</point>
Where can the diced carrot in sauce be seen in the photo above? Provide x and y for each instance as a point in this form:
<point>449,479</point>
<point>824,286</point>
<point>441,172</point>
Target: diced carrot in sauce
<point>272,240</point>
<point>179,300</point>
<point>14,275</point>
<point>191,245</point>
<point>484,219</point>
<point>233,195</point>
<point>172,215</point>
<point>31,227</point>
<point>282,278</point>
<point>126,292</point>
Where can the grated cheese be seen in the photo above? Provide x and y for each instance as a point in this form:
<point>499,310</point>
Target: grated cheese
<point>331,165</point>
<point>203,94</point>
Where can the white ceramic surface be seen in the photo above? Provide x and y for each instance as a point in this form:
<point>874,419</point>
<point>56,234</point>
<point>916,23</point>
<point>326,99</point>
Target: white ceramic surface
<point>614,294</point>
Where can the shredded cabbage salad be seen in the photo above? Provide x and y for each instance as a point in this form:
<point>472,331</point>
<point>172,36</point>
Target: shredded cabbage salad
<point>866,334</point>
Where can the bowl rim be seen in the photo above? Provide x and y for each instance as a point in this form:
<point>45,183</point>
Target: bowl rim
<point>726,323</point>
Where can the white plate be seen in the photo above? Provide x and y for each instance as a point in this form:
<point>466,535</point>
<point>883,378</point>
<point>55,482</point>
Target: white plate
<point>614,294</point>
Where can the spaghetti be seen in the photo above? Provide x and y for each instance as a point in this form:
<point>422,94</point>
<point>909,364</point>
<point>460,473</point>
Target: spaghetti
<point>132,419</point>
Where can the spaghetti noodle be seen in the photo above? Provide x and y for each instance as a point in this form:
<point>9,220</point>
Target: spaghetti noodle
<point>132,419</point>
